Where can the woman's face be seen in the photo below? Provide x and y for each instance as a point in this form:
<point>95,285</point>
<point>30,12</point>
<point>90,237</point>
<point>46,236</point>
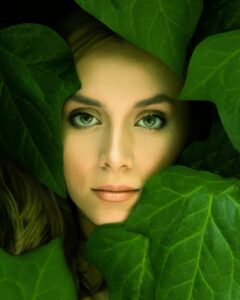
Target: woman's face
<point>119,128</point>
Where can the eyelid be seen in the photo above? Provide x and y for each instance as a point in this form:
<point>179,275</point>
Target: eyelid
<point>156,113</point>
<point>78,111</point>
<point>151,112</point>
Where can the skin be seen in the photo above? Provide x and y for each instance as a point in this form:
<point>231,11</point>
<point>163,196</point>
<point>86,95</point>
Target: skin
<point>124,140</point>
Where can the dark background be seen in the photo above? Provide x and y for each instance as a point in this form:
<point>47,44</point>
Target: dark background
<point>218,15</point>
<point>36,11</point>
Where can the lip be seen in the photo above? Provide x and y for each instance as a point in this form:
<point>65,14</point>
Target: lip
<point>115,193</point>
<point>116,188</point>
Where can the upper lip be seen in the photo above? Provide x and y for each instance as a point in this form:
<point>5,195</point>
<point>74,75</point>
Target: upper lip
<point>116,188</point>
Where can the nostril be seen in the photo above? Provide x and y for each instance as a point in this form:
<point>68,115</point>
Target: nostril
<point>116,150</point>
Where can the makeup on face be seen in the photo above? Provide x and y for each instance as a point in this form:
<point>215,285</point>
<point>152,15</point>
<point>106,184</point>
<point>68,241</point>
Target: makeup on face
<point>121,127</point>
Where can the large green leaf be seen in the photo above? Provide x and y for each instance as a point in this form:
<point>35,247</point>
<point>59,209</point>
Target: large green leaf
<point>37,275</point>
<point>158,26</point>
<point>123,257</point>
<point>183,236</point>
<point>37,75</point>
<point>214,75</point>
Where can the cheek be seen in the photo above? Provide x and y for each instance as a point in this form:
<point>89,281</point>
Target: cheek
<point>158,152</point>
<point>78,161</point>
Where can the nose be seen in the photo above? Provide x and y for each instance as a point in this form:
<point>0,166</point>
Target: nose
<point>116,151</point>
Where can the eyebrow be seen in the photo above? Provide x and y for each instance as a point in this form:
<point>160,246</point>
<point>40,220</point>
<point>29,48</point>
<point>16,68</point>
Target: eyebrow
<point>85,100</point>
<point>159,98</point>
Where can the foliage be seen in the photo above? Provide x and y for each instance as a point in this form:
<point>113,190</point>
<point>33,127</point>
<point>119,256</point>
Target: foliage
<point>184,229</point>
<point>158,27</point>
<point>181,240</point>
<point>36,76</point>
<point>214,75</point>
<point>39,274</point>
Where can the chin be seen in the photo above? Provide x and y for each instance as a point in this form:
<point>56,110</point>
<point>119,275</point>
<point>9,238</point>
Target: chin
<point>88,222</point>
<point>110,218</point>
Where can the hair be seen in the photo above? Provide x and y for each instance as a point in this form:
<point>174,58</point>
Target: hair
<point>83,32</point>
<point>31,215</point>
<point>33,210</point>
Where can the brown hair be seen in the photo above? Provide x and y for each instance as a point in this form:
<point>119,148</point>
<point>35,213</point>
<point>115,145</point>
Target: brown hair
<point>83,32</point>
<point>30,215</point>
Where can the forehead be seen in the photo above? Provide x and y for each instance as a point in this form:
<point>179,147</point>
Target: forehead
<point>120,72</point>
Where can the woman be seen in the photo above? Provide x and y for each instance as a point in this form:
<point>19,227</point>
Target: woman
<point>124,122</point>
<point>122,126</point>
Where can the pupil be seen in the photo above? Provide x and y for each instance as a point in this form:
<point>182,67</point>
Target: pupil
<point>150,120</point>
<point>85,118</point>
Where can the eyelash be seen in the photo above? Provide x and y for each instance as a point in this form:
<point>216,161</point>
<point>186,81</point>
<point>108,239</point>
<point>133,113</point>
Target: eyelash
<point>74,120</point>
<point>74,116</point>
<point>158,116</point>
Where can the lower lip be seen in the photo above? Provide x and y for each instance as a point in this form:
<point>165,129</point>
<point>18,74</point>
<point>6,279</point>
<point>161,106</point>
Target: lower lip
<point>115,197</point>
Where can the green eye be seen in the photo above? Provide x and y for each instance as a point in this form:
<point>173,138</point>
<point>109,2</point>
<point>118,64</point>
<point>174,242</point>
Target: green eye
<point>83,120</point>
<point>152,121</point>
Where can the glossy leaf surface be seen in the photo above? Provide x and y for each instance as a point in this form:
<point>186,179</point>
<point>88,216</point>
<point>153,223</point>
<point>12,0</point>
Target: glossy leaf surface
<point>36,77</point>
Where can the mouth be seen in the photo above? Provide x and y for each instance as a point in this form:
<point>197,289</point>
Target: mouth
<point>115,194</point>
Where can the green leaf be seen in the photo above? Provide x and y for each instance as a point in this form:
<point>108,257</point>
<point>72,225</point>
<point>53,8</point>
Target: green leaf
<point>37,75</point>
<point>36,275</point>
<point>214,75</point>
<point>188,224</point>
<point>159,27</point>
<point>110,255</point>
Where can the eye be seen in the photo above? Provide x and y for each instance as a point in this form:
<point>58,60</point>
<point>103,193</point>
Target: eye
<point>153,120</point>
<point>80,119</point>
